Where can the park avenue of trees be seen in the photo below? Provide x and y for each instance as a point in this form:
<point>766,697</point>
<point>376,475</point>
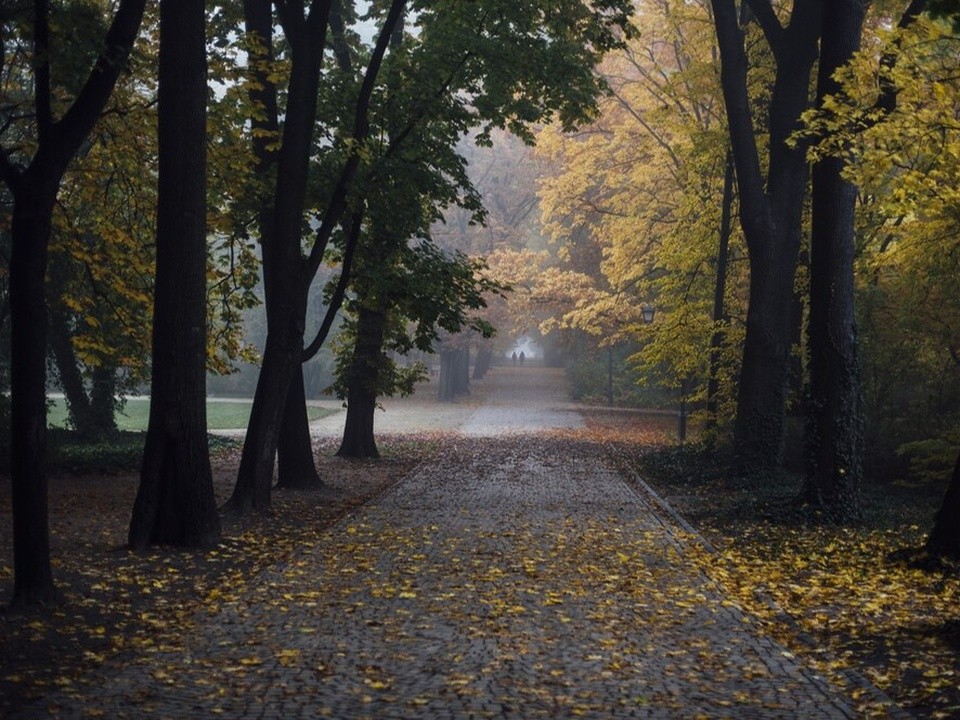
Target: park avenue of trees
<point>776,179</point>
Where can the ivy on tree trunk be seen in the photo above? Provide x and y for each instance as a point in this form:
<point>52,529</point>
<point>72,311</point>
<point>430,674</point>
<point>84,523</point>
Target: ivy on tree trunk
<point>835,424</point>
<point>771,209</point>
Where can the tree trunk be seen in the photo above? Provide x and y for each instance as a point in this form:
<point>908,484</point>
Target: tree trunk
<point>945,537</point>
<point>719,294</point>
<point>461,381</point>
<point>445,390</point>
<point>482,365</point>
<point>283,263</point>
<point>295,466</point>
<point>32,212</point>
<point>835,428</point>
<point>175,501</point>
<point>68,372</point>
<point>281,358</point>
<point>92,415</point>
<point>34,194</point>
<point>771,211</point>
<point>762,393</point>
<point>103,397</point>
<point>363,382</point>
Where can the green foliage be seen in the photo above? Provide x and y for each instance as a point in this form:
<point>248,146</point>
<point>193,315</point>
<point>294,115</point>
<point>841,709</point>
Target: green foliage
<point>930,461</point>
<point>905,160</point>
<point>644,183</point>
<point>120,453</point>
<point>135,414</point>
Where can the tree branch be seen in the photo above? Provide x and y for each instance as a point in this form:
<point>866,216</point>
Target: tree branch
<point>83,114</point>
<point>338,202</point>
<point>258,21</point>
<point>733,77</point>
<point>887,101</point>
<point>762,11</point>
<point>340,291</point>
<point>338,40</point>
<point>41,68</point>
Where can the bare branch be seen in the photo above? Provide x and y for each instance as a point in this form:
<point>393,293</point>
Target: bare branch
<point>41,67</point>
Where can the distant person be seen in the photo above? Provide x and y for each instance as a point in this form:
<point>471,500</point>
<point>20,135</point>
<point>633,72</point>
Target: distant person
<point>514,357</point>
<point>522,357</point>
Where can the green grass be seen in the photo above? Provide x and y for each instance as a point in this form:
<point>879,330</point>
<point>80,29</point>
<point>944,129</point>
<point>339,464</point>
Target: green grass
<point>226,415</point>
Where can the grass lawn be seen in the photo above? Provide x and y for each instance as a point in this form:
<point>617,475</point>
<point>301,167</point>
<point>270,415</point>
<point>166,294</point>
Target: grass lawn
<point>221,415</point>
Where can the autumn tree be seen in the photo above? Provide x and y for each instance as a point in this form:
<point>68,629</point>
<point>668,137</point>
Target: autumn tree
<point>33,167</point>
<point>101,269</point>
<point>473,35</point>
<point>647,185</point>
<point>771,210</point>
<point>287,271</point>
<point>175,503</point>
<point>402,305</point>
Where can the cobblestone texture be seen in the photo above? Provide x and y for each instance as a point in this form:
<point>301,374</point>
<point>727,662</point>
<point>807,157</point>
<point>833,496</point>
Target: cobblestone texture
<point>511,578</point>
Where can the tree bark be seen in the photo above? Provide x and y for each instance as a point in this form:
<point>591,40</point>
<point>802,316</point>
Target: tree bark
<point>835,425</point>
<point>945,536</point>
<point>771,211</point>
<point>364,380</point>
<point>283,266</point>
<point>33,209</point>
<point>482,364</point>
<point>445,383</point>
<point>34,192</point>
<point>103,396</point>
<point>68,372</point>
<point>295,466</point>
<point>175,501</point>
<point>719,293</point>
<point>91,414</point>
<point>461,385</point>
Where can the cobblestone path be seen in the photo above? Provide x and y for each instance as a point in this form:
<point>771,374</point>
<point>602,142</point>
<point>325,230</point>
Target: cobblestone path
<point>511,578</point>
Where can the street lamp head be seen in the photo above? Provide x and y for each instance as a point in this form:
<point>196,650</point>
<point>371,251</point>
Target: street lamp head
<point>648,312</point>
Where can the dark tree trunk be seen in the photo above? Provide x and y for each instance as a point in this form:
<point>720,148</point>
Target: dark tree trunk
<point>281,358</point>
<point>175,502</point>
<point>34,192</point>
<point>282,257</point>
<point>771,217</point>
<point>68,372</point>
<point>295,463</point>
<point>91,415</point>
<point>295,466</point>
<point>461,381</point>
<point>283,267</point>
<point>363,381</point>
<point>835,430</point>
<point>482,365</point>
<point>945,537</point>
<point>103,397</point>
<point>719,293</point>
<point>446,387</point>
<point>33,208</point>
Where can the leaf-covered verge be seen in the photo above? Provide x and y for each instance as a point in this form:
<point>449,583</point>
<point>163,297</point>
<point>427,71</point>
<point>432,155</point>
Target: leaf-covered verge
<point>846,598</point>
<point>116,604</point>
